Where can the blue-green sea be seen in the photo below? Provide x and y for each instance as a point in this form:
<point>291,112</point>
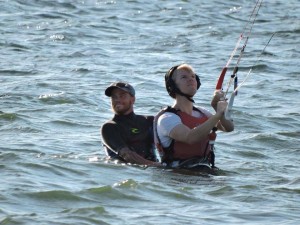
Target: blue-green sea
<point>57,58</point>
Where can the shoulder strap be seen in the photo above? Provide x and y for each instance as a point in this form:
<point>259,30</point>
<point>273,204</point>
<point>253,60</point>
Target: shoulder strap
<point>199,110</point>
<point>172,110</point>
<point>165,154</point>
<point>156,138</point>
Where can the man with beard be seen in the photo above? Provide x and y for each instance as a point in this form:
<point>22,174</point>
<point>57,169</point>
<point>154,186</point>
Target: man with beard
<point>127,136</point>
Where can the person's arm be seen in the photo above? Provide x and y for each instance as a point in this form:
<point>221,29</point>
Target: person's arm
<point>111,136</point>
<point>190,136</point>
<point>223,124</point>
<point>113,140</point>
<point>134,158</point>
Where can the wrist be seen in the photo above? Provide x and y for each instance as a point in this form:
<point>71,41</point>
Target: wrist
<point>214,102</point>
<point>219,115</point>
<point>122,151</point>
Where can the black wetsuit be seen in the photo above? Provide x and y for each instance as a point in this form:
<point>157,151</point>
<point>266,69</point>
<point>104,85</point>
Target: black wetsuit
<point>132,131</point>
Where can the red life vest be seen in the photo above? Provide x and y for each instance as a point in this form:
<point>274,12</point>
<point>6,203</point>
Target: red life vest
<point>183,151</point>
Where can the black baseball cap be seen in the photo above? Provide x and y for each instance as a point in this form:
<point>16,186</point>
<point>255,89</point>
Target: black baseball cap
<point>121,85</point>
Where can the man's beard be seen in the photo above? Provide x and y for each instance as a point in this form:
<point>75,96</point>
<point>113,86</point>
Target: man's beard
<point>122,110</point>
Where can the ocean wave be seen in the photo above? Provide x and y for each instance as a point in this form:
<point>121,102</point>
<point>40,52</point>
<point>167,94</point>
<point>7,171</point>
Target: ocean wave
<point>8,116</point>
<point>56,98</point>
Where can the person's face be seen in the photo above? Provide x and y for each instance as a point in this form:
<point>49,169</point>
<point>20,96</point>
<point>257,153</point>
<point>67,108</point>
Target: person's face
<point>121,102</point>
<point>186,81</point>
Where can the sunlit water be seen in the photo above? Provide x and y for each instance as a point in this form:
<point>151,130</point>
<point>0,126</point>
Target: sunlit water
<point>57,58</point>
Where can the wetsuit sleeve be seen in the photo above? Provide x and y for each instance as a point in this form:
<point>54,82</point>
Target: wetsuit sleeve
<point>150,120</point>
<point>111,136</point>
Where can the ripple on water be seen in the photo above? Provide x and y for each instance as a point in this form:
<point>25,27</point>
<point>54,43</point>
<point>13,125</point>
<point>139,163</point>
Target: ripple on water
<point>56,98</point>
<point>54,73</point>
<point>55,195</point>
<point>116,192</point>
<point>8,116</point>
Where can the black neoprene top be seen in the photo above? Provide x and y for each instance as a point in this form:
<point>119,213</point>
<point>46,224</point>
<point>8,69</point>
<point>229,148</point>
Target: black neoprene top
<point>132,131</point>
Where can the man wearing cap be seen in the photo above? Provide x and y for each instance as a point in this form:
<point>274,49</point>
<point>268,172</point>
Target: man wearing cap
<point>127,136</point>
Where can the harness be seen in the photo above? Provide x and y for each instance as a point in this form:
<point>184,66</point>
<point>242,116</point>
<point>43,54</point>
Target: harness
<point>166,154</point>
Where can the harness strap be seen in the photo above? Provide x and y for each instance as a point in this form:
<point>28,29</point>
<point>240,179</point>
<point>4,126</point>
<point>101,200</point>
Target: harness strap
<point>211,142</point>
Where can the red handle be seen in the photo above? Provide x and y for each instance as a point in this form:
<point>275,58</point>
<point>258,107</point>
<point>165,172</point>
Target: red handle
<point>221,78</point>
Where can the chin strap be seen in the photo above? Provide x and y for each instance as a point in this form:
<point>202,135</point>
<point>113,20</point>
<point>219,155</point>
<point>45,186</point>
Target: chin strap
<point>190,98</point>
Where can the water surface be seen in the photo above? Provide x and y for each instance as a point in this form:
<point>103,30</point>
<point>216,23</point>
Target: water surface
<point>57,58</point>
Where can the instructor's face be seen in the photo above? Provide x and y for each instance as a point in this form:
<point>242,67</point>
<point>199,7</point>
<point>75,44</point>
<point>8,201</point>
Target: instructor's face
<point>121,102</point>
